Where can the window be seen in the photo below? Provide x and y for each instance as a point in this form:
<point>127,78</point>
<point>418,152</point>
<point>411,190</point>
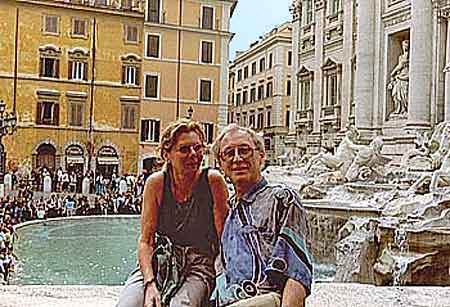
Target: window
<point>260,121</point>
<point>238,99</point>
<point>78,27</point>
<point>270,60</point>
<point>129,115</point>
<point>151,86</point>
<point>207,17</point>
<point>205,90</point>
<point>77,70</point>
<point>130,75</point>
<point>239,77</point>
<point>154,10</point>
<point>207,52</point>
<point>209,132</point>
<point>47,113</point>
<point>269,90</point>
<point>331,72</point>
<point>245,72</point>
<point>131,34</point>
<point>262,64</point>
<point>307,12</point>
<point>288,118</point>
<point>75,114</point>
<point>288,87</point>
<point>153,42</point>
<point>244,97</point>
<point>49,67</point>
<point>260,91</point>
<point>150,129</point>
<point>253,94</point>
<point>51,24</point>
<point>253,68</point>
<point>305,94</point>
<point>251,120</point>
<point>269,117</point>
<point>334,6</point>
<point>289,58</point>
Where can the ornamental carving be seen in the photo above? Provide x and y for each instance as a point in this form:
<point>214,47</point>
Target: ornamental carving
<point>397,19</point>
<point>320,4</point>
<point>296,9</point>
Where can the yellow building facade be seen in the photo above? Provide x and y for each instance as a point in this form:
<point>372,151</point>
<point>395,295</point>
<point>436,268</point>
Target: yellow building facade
<point>71,71</point>
<point>185,68</point>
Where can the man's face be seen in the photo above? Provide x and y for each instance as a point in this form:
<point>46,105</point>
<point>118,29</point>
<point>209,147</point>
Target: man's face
<point>239,158</point>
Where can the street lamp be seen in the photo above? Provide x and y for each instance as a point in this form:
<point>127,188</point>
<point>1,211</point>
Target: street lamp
<point>190,111</point>
<point>8,124</point>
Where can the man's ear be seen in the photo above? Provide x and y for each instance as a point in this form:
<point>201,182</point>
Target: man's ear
<point>262,155</point>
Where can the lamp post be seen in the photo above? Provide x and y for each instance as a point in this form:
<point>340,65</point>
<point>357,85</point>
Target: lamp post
<point>8,124</point>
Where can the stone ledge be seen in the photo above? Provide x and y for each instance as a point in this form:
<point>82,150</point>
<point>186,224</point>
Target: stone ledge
<point>323,295</point>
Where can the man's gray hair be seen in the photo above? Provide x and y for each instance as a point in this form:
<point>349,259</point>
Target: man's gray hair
<point>257,139</point>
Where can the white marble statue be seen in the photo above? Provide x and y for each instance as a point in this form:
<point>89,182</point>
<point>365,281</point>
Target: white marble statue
<point>399,83</point>
<point>86,185</point>
<point>345,153</point>
<point>47,183</point>
<point>369,164</point>
<point>442,175</point>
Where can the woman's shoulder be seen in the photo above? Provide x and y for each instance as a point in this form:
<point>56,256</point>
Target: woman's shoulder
<point>155,179</point>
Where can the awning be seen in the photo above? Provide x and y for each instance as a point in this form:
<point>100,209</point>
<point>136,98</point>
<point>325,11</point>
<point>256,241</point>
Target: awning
<point>75,160</point>
<point>108,160</point>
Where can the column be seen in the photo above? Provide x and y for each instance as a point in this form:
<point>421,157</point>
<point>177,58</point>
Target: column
<point>365,65</point>
<point>319,25</point>
<point>296,12</point>
<point>447,76</point>
<point>420,67</point>
<point>346,78</point>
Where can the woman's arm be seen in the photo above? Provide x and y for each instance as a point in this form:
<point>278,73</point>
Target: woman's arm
<point>149,218</point>
<point>220,196</point>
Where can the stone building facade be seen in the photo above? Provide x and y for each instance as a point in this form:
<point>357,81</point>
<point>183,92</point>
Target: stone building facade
<point>380,65</point>
<point>260,88</point>
<point>185,68</point>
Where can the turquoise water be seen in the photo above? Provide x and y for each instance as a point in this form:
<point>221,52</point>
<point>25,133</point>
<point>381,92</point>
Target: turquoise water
<point>88,251</point>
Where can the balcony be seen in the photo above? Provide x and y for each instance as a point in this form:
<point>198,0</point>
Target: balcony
<point>331,115</point>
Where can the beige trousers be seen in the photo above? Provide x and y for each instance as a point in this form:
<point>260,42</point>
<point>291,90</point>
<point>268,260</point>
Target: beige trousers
<point>265,300</point>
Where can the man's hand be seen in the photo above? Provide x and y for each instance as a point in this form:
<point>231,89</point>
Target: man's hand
<point>152,298</point>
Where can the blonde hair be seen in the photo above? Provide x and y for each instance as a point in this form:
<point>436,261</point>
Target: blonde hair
<point>257,139</point>
<point>173,131</point>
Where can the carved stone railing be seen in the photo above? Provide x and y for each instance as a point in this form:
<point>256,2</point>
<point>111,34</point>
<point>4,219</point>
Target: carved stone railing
<point>122,5</point>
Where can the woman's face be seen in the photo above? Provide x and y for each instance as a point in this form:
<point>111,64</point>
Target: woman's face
<point>186,154</point>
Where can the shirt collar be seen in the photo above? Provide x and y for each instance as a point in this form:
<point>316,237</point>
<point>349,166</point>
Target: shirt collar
<point>250,195</point>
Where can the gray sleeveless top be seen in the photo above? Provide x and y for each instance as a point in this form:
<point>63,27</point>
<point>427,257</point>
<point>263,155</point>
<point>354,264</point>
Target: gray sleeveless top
<point>191,223</point>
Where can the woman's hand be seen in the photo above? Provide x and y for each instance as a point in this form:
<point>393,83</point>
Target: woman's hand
<point>152,298</point>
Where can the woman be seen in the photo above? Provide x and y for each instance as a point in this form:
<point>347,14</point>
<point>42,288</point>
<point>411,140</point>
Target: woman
<point>183,212</point>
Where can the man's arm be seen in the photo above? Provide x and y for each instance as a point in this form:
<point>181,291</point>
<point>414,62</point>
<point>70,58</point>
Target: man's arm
<point>294,294</point>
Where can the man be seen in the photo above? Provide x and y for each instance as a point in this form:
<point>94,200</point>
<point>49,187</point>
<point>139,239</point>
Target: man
<point>264,251</point>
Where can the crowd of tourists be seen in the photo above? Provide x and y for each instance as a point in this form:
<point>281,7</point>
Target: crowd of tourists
<point>26,202</point>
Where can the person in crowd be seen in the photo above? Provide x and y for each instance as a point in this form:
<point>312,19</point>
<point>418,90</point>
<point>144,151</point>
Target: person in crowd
<point>264,249</point>
<point>183,213</point>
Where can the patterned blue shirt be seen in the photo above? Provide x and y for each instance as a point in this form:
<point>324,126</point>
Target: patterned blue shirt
<point>264,243</point>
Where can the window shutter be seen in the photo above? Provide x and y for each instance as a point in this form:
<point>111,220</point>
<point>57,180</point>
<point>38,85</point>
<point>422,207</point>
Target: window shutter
<point>80,115</point>
<point>69,68</point>
<point>138,76</point>
<point>132,118</point>
<point>211,133</point>
<point>41,67</point>
<point>56,114</point>
<point>157,127</point>
<point>85,75</point>
<point>38,113</point>
<point>124,72</point>
<point>144,130</point>
<point>56,71</point>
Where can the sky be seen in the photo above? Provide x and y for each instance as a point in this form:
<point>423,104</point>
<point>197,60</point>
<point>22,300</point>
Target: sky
<point>253,18</point>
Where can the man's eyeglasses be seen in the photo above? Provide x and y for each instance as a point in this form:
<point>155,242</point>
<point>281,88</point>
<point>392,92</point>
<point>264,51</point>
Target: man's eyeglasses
<point>186,149</point>
<point>244,152</point>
